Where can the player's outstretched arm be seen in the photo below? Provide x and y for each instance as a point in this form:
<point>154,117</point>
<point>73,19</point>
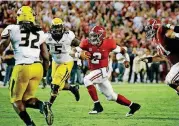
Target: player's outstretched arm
<point>158,58</point>
<point>45,56</point>
<point>155,58</point>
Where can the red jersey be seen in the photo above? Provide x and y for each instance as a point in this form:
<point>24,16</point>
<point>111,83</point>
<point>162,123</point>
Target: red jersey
<point>167,46</point>
<point>99,54</point>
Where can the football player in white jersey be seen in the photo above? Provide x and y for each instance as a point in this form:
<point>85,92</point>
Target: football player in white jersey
<point>60,42</point>
<point>27,41</point>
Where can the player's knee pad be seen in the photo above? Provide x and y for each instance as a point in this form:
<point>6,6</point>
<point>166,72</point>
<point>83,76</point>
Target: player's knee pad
<point>112,97</point>
<point>54,89</point>
<point>87,82</point>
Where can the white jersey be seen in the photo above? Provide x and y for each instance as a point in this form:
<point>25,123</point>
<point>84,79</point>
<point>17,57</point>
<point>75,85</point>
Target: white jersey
<point>26,46</point>
<point>60,50</point>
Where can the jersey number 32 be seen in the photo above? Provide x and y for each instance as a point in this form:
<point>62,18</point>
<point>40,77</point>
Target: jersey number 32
<point>27,41</point>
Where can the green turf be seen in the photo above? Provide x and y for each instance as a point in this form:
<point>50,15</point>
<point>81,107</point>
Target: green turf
<point>159,108</point>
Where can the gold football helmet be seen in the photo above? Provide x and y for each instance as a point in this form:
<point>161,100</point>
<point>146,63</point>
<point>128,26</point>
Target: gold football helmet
<point>26,14</point>
<point>57,21</point>
<point>57,28</point>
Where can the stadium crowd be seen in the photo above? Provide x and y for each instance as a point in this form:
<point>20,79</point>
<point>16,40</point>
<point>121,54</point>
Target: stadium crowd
<point>124,21</point>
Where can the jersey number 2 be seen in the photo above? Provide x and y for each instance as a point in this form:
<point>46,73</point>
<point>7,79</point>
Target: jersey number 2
<point>26,39</point>
<point>97,57</point>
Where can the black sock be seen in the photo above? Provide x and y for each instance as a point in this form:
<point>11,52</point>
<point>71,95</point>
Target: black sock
<point>54,92</point>
<point>97,103</point>
<point>52,99</point>
<point>35,105</point>
<point>25,117</point>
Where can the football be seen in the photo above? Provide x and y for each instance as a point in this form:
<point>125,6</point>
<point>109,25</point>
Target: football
<point>85,55</point>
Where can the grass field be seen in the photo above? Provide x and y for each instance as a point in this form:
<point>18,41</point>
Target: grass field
<point>160,107</point>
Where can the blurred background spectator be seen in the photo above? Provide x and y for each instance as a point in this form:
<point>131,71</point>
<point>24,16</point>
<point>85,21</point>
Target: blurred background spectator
<point>149,71</point>
<point>124,21</point>
<point>8,58</point>
<point>139,67</point>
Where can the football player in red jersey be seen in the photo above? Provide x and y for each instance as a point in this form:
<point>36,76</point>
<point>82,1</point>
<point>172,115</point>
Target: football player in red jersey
<point>97,49</point>
<point>167,43</point>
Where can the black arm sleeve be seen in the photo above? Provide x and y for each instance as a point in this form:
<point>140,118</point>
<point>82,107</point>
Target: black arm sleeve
<point>176,29</point>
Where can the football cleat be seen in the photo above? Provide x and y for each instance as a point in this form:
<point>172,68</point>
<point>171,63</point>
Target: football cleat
<point>133,108</point>
<point>48,113</point>
<point>75,91</point>
<point>97,108</point>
